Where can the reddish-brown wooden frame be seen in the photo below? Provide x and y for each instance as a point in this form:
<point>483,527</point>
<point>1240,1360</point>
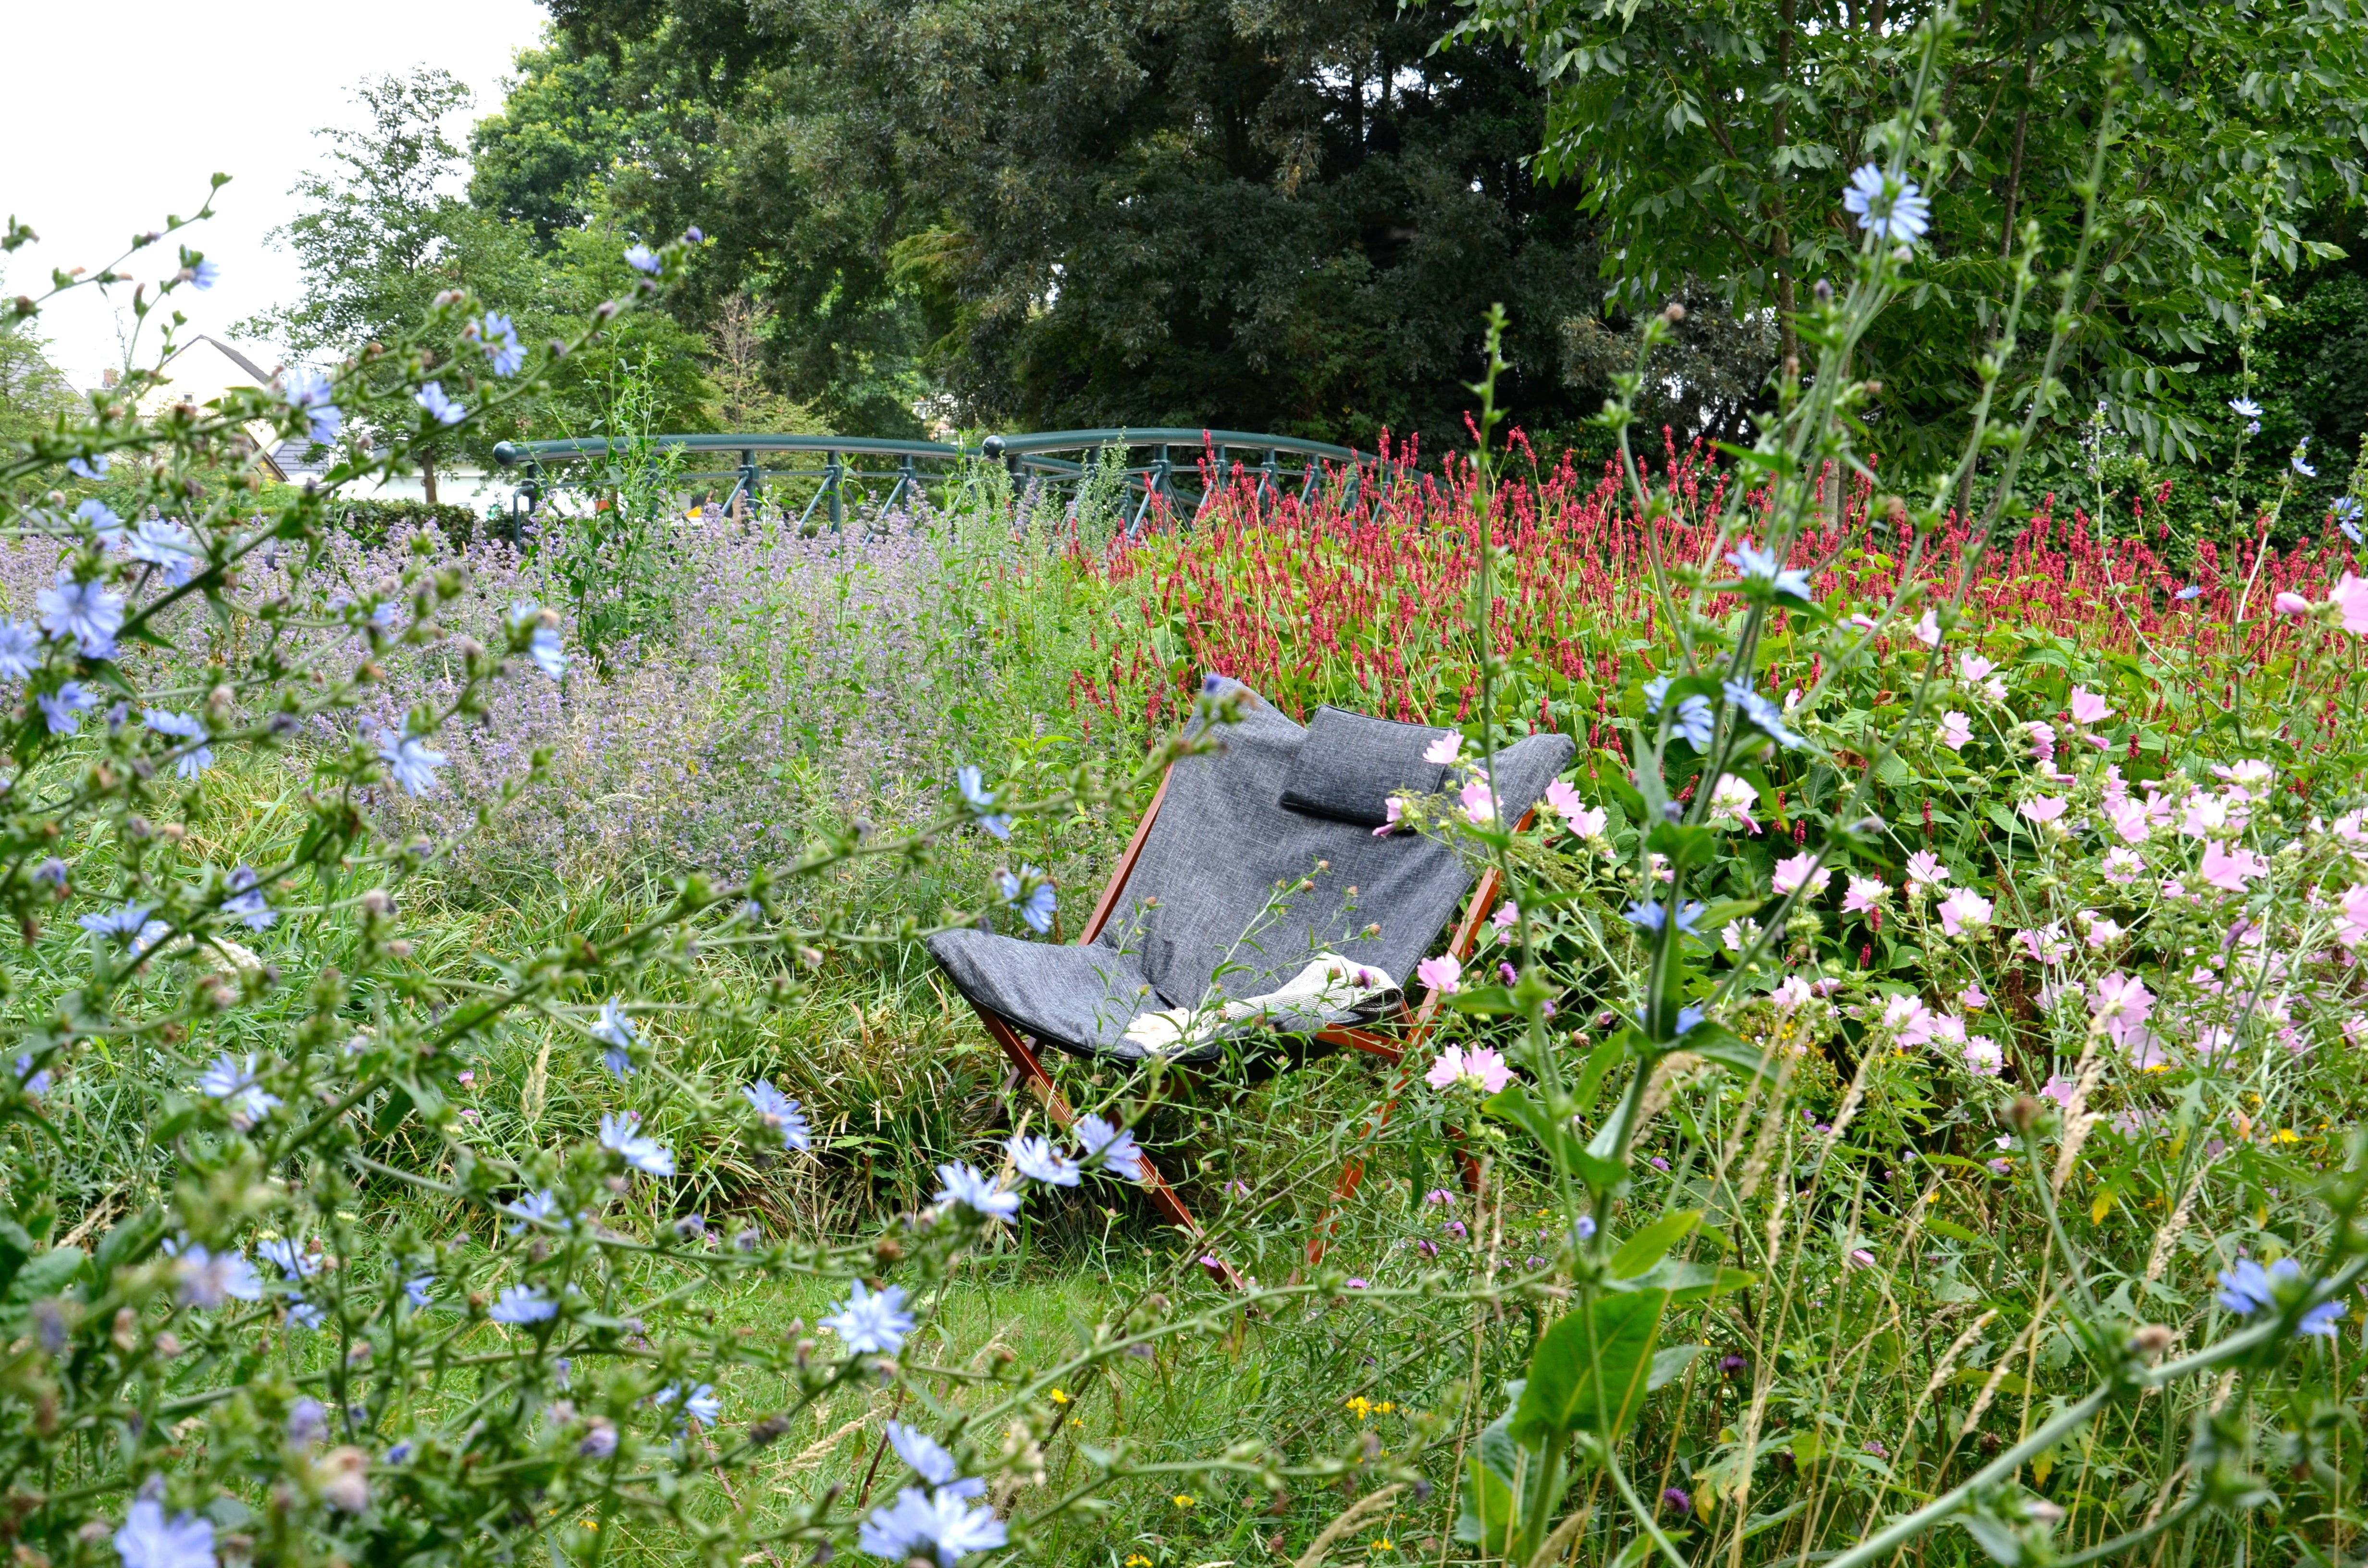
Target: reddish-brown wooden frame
<point>1414,1023</point>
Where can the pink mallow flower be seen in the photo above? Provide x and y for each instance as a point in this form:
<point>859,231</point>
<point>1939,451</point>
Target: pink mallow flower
<point>1956,730</point>
<point>1475,1068</point>
<point>1396,807</point>
<point>1586,821</point>
<point>2351,597</point>
<point>1983,1058</point>
<point>2058,1089</point>
<point>2352,925</point>
<point>1864,895</point>
<point>2119,1002</point>
<point>2129,819</point>
<point>2045,809</point>
<point>2088,707</point>
<point>1479,801</point>
<point>2230,870</point>
<point>2290,604</point>
<point>1794,872</point>
<point>1442,974</point>
<point>1444,750</point>
<point>1925,869</point>
<point>1909,1021</point>
<point>1964,910</point>
<point>2123,867</point>
<point>2042,740</point>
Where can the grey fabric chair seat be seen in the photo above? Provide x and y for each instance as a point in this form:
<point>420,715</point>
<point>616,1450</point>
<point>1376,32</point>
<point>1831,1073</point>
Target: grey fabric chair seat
<point>1224,841</point>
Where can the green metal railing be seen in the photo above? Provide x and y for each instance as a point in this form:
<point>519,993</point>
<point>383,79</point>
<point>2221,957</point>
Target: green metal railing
<point>841,470</point>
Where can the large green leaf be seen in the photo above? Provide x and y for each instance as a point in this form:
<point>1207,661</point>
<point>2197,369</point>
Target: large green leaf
<point>1515,1104</point>
<point>1716,1043</point>
<point>1647,1246</point>
<point>1491,1517</point>
<point>1589,1370</point>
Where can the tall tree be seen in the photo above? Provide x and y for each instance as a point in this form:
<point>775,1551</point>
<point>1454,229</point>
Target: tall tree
<point>1714,139</point>
<point>386,230</point>
<point>1234,212</point>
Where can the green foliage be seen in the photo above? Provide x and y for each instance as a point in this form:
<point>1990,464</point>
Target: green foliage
<point>1714,142</point>
<point>34,394</point>
<point>382,237</point>
<point>1270,217</point>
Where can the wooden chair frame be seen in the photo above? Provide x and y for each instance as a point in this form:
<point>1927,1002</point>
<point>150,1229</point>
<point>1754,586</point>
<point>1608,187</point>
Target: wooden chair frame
<point>1401,1036</point>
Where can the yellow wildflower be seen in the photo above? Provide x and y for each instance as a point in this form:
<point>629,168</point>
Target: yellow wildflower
<point>1059,1398</point>
<point>1184,1499</point>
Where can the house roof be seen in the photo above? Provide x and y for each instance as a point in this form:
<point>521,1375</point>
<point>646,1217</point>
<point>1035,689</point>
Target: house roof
<point>202,369</point>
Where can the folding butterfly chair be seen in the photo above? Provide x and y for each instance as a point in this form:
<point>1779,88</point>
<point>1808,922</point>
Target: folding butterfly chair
<point>1271,806</point>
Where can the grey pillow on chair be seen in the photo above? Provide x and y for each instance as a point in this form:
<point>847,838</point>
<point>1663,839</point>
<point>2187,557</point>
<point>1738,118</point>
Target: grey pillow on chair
<point>1350,764</point>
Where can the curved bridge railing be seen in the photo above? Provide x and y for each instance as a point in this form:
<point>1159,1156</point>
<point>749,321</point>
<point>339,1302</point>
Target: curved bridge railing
<point>1163,466</point>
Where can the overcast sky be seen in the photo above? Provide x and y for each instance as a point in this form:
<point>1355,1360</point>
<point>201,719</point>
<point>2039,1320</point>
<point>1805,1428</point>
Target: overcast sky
<point>117,113</point>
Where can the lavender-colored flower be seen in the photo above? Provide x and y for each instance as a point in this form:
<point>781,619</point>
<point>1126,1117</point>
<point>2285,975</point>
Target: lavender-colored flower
<point>308,1423</point>
<point>1036,906</point>
<point>104,523</point>
<point>160,541</point>
<point>967,1188</point>
<point>122,924</point>
<point>207,1278</point>
<point>543,644</point>
<point>620,1134</point>
<point>940,1523</point>
<point>779,1112</point>
<point>194,759</point>
<point>870,1322</point>
<point>63,709</point>
<point>1761,565</point>
<point>203,274</point>
<point>309,392</point>
<point>930,1462</point>
<point>52,872</point>
<point>233,1081</point>
<point>293,1261</point>
<point>616,1031</point>
<point>522,1304</point>
<point>499,339</point>
<point>440,408</point>
<point>640,258</point>
<point>534,1208</point>
<point>85,612</point>
<point>982,801</point>
<point>1695,721</point>
<point>1112,1148</point>
<point>1891,213</point>
<point>701,1405</point>
<point>148,1540</point>
<point>92,467</point>
<point>420,1289</point>
<point>1036,1159</point>
<point>1764,715</point>
<point>410,761</point>
<point>32,1083</point>
<point>246,900</point>
<point>599,1442</point>
<point>20,649</point>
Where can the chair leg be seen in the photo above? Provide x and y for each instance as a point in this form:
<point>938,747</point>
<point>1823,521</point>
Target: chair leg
<point>1163,1197</point>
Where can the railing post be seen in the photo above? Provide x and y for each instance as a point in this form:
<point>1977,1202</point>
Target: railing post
<point>744,495</point>
<point>831,476</point>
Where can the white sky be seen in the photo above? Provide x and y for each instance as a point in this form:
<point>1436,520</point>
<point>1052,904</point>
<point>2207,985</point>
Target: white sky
<point>121,111</point>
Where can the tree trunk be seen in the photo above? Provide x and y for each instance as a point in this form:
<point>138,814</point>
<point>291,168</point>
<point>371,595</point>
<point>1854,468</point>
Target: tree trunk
<point>428,476</point>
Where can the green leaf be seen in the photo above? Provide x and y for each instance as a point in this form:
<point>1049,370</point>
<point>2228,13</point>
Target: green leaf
<point>1683,846</point>
<point>1514,1104</point>
<point>1491,1517</point>
<point>1589,1370</point>
<point>47,1273</point>
<point>1952,1230</point>
<point>1647,1246</point>
<point>1670,1362</point>
<point>1716,1042</point>
<point>1599,1062</point>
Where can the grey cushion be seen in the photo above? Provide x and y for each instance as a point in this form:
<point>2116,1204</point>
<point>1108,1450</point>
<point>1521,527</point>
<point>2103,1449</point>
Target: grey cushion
<point>1198,900</point>
<point>1349,765</point>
